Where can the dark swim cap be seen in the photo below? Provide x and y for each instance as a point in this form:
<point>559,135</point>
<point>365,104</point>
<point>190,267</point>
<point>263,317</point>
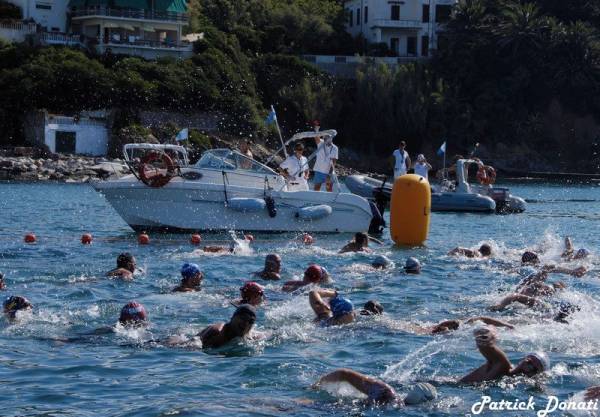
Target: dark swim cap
<point>372,307</point>
<point>530,258</point>
<point>123,259</point>
<point>15,303</point>
<point>133,312</point>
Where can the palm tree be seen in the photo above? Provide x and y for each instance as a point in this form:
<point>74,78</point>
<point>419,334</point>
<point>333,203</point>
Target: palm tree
<point>521,30</point>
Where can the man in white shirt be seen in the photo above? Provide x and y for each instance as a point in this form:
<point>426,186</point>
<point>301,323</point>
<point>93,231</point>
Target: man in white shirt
<point>402,160</point>
<point>327,156</point>
<point>295,169</point>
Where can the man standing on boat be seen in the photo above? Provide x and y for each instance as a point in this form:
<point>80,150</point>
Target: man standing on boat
<point>327,156</point>
<point>403,162</point>
<point>295,168</point>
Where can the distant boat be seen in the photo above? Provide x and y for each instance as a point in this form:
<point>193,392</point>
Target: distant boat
<point>457,196</point>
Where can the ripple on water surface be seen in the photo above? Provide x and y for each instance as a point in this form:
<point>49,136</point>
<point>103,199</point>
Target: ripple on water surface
<point>54,362</point>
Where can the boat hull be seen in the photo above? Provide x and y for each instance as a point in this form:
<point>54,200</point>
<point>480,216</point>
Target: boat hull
<point>183,206</point>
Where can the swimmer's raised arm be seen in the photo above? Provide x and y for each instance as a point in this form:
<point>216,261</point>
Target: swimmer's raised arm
<point>576,272</point>
<point>375,389</point>
<point>497,363</point>
<point>514,298</point>
<point>491,321</point>
<point>592,393</point>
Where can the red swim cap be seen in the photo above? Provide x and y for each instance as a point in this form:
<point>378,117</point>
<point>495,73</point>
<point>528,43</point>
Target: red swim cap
<point>133,312</point>
<point>251,287</point>
<point>313,274</point>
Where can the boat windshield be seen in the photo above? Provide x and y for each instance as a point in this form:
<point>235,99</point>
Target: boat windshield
<point>225,159</point>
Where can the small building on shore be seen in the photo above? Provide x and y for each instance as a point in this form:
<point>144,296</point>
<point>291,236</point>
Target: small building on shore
<point>83,134</point>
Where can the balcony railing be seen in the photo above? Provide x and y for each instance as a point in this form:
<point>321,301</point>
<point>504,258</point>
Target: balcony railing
<point>18,26</point>
<point>146,44</point>
<point>130,14</point>
<point>401,24</point>
<point>52,38</point>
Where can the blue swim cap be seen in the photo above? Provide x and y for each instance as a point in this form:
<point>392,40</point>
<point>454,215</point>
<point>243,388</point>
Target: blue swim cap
<point>189,270</point>
<point>340,306</point>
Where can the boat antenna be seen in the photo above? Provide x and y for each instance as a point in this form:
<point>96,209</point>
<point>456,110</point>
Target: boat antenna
<point>279,131</point>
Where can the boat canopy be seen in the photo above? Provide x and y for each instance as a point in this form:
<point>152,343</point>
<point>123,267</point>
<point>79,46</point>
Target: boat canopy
<point>137,150</point>
<point>230,160</point>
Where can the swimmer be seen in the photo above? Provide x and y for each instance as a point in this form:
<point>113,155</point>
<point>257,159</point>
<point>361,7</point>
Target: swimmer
<point>338,311</point>
<point>252,294</point>
<point>497,363</point>
<point>381,262</point>
<point>125,267</point>
<point>240,325</point>
<point>2,283</point>
<point>451,325</point>
<point>484,251</point>
<point>371,308</point>
<point>191,278</point>
<point>314,274</point>
<point>530,258</point>
<point>592,393</point>
<point>570,254</point>
<point>14,304</point>
<point>360,243</point>
<point>220,249</point>
<point>412,266</point>
<point>133,314</point>
<point>272,269</point>
<point>376,390</point>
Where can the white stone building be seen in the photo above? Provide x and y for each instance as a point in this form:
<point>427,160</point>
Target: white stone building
<point>410,28</point>
<point>87,134</point>
<point>51,15</point>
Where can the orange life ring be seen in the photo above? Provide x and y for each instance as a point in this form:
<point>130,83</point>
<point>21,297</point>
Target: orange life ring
<point>486,175</point>
<point>154,176</point>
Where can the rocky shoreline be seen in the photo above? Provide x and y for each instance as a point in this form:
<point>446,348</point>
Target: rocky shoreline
<point>70,169</point>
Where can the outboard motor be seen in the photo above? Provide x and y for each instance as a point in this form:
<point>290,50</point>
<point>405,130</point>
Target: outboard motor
<point>270,201</point>
<point>377,222</point>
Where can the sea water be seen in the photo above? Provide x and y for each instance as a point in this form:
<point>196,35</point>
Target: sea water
<point>52,364</point>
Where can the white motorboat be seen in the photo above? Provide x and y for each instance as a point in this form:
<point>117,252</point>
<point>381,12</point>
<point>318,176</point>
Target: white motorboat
<point>224,190</point>
<point>448,195</point>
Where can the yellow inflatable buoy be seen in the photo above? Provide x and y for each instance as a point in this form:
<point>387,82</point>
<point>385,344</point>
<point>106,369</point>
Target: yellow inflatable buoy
<point>409,210</point>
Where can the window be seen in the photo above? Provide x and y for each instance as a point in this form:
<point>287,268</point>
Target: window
<point>395,45</point>
<point>54,29</point>
<point>395,12</point>
<point>43,6</point>
<point>366,14</point>
<point>442,13</point>
<point>425,46</point>
<point>425,13</point>
<point>351,19</point>
<point>411,46</point>
<point>64,142</point>
<point>357,17</point>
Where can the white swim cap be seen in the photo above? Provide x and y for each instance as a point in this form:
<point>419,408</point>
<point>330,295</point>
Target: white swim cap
<point>381,261</point>
<point>485,336</point>
<point>420,157</point>
<point>542,358</point>
<point>420,393</point>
